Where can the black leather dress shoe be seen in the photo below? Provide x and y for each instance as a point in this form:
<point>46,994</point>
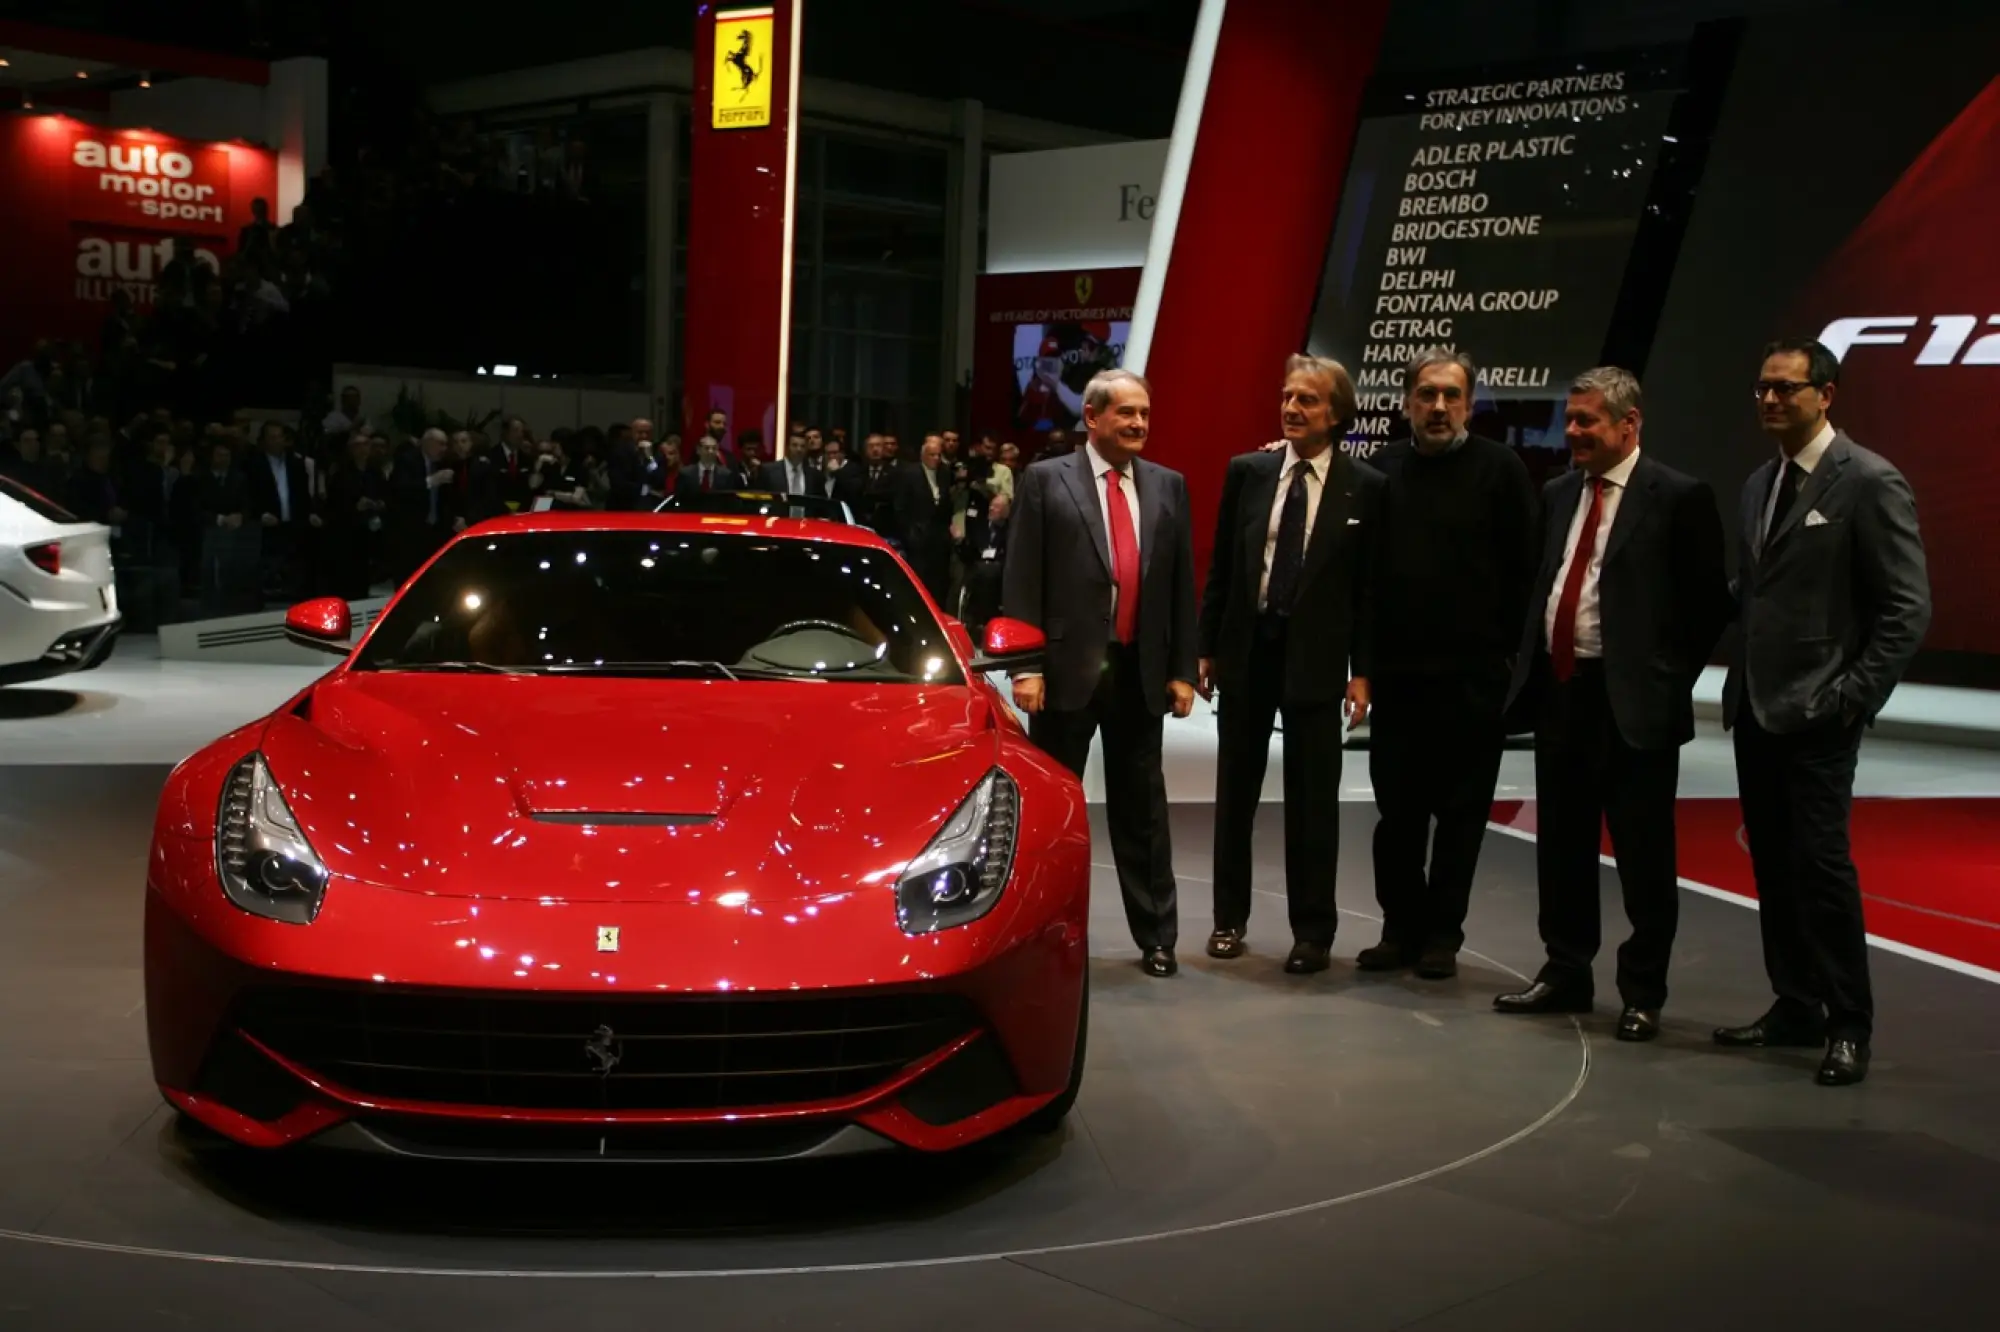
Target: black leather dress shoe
<point>1159,962</point>
<point>1386,956</point>
<point>1227,945</point>
<point>1846,1063</point>
<point>1774,1029</point>
<point>1639,1024</point>
<point>1438,963</point>
<point>1307,958</point>
<point>1542,997</point>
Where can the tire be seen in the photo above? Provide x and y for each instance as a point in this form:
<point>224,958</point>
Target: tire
<point>1051,1116</point>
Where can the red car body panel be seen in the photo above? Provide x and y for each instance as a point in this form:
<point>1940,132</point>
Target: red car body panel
<point>482,832</point>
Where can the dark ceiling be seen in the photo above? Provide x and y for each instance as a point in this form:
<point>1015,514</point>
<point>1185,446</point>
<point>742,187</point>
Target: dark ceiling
<point>1111,65</point>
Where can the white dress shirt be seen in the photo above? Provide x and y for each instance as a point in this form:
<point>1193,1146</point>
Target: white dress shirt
<point>1807,460</point>
<point>1315,484</point>
<point>1589,622</point>
<point>283,477</point>
<point>1099,469</point>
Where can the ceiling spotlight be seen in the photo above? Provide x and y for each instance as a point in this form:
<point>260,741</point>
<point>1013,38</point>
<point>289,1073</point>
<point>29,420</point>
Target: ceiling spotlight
<point>83,73</point>
<point>3,62</point>
<point>146,79</point>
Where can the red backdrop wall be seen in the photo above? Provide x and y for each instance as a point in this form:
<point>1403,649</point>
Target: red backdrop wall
<point>1927,250</point>
<point>1284,97</point>
<point>1005,302</point>
<point>91,211</point>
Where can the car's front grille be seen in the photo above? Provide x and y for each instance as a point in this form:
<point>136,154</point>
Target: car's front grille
<point>586,1053</point>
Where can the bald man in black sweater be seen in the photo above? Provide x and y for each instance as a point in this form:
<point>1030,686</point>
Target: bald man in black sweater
<point>1457,559</point>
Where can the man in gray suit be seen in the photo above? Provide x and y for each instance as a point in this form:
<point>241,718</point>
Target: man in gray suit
<point>1100,558</point>
<point>1833,601</point>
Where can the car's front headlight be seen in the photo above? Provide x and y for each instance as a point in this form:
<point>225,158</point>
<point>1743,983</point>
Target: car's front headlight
<point>960,875</point>
<point>261,856</point>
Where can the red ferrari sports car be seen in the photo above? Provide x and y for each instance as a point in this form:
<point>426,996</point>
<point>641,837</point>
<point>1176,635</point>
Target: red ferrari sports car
<point>667,836</point>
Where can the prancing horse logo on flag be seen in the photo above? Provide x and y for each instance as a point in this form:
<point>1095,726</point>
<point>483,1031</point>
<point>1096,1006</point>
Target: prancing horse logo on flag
<point>1084,286</point>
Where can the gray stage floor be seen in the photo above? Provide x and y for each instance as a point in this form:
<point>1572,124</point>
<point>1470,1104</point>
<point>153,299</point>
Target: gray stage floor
<point>1251,1151</point>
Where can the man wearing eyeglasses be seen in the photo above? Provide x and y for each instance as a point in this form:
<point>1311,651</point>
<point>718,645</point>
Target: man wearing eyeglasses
<point>1833,601</point>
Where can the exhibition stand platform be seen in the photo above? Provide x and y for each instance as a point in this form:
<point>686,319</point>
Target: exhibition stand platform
<point>1251,1149</point>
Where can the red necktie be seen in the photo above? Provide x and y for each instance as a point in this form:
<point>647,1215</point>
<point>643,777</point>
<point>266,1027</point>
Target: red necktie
<point>1562,638</point>
<point>1124,558</point>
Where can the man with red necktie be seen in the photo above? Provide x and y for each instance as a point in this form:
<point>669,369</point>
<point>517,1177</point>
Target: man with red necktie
<point>1628,604</point>
<point>1100,558</point>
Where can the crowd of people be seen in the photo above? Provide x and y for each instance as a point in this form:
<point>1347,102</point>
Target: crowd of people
<point>230,516</point>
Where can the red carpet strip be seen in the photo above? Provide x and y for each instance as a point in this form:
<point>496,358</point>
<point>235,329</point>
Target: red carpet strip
<point>1930,868</point>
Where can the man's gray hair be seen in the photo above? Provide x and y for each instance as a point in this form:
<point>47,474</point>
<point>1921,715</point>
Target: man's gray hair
<point>436,434</point>
<point>1097,393</point>
<point>1341,399</point>
<point>1431,356</point>
<point>1619,387</point>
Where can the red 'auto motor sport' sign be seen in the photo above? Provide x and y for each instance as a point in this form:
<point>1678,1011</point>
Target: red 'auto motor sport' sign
<point>148,182</point>
<point>95,211</point>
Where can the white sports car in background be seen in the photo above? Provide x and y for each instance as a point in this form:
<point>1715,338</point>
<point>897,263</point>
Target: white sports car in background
<point>58,598</point>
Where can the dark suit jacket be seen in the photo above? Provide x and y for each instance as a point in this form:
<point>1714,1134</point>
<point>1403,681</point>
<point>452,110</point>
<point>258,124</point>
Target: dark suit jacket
<point>1058,577</point>
<point>776,477</point>
<point>923,524</point>
<point>264,487</point>
<point>1834,606</point>
<point>1663,600</point>
<point>689,481</point>
<point>1333,615</point>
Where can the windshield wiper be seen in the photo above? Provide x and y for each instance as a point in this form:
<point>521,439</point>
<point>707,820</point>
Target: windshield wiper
<point>444,667</point>
<point>644,668</point>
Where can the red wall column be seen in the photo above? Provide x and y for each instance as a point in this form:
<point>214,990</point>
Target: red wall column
<point>1263,187</point>
<point>736,316</point>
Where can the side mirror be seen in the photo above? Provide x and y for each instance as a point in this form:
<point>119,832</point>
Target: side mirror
<point>323,624</point>
<point>1011,645</point>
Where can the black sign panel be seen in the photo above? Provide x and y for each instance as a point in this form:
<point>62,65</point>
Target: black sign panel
<point>1492,214</point>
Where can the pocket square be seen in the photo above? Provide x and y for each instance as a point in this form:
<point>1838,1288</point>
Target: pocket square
<point>1354,522</point>
<point>1815,519</point>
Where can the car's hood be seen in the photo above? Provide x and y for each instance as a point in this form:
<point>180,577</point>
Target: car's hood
<point>625,789</point>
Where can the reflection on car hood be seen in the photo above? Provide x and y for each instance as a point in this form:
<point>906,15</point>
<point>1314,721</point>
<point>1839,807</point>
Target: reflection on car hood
<point>625,789</point>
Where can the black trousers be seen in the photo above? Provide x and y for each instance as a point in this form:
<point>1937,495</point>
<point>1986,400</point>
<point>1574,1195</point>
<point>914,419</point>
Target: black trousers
<point>1244,718</point>
<point>1434,747</point>
<point>1135,790</point>
<point>1587,779</point>
<point>1797,792</point>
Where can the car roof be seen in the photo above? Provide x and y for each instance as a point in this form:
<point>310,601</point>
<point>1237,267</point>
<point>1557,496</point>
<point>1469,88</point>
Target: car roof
<point>576,520</point>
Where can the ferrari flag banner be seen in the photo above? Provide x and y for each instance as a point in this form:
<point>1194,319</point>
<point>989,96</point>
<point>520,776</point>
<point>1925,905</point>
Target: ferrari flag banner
<point>741,93</point>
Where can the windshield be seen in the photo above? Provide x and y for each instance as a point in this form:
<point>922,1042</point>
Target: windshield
<point>696,604</point>
<point>761,503</point>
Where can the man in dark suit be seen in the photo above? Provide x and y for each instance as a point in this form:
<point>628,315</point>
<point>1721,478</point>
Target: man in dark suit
<point>281,495</point>
<point>1285,623</point>
<point>923,519</point>
<point>1100,558</point>
<point>797,473</point>
<point>1626,609</point>
<point>708,472</point>
<point>1455,554</point>
<point>1833,599</point>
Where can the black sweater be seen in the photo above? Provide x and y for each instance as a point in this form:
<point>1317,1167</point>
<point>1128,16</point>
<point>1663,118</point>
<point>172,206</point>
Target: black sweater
<point>1458,556</point>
